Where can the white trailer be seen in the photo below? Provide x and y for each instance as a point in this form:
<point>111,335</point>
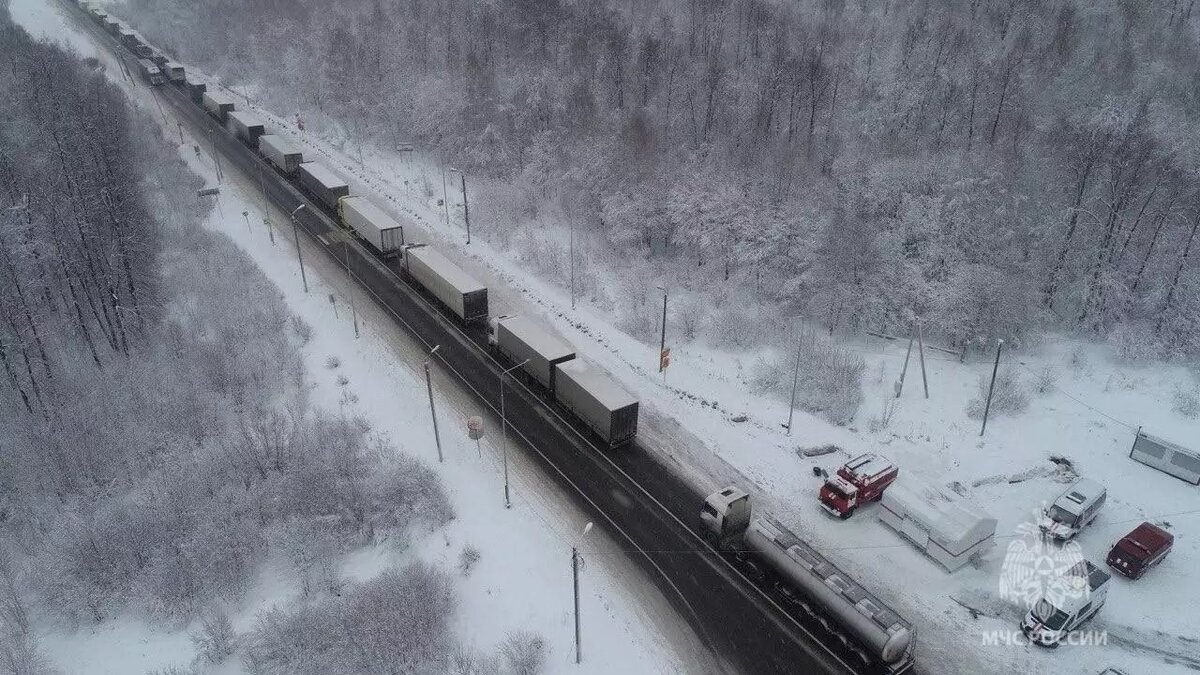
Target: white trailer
<point>809,580</point>
<point>519,340</point>
<point>595,397</point>
<point>942,524</point>
<point>247,127</point>
<point>465,297</point>
<point>280,152</point>
<point>174,71</point>
<point>218,105</point>
<point>324,184</point>
<point>195,87</point>
<point>371,223</point>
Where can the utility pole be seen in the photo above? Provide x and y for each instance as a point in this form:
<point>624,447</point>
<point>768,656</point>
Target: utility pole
<point>246,217</point>
<point>504,432</point>
<point>299,255</point>
<point>904,370</point>
<point>466,209</point>
<point>445,199</point>
<point>921,352</point>
<point>572,253</point>
<point>350,282</point>
<point>795,381</point>
<point>576,562</point>
<point>991,387</point>
<point>180,125</point>
<point>662,345</point>
<point>432,411</point>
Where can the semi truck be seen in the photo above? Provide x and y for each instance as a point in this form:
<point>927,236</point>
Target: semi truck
<point>322,183</point>
<point>372,224</point>
<point>246,127</point>
<point>280,152</point>
<point>1083,590</point>
<point>592,395</point>
<point>150,72</point>
<point>458,291</point>
<point>218,105</point>
<point>520,340</point>
<point>174,71</point>
<point>859,481</point>
<point>877,634</point>
<point>195,88</point>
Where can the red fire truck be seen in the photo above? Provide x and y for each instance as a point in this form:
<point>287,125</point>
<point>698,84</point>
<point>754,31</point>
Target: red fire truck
<point>861,480</point>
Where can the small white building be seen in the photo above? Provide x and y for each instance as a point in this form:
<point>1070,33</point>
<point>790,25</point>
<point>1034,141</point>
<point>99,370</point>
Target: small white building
<point>943,524</point>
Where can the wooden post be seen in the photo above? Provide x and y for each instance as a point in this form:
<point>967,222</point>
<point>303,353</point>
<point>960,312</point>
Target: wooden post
<point>904,370</point>
<point>921,352</point>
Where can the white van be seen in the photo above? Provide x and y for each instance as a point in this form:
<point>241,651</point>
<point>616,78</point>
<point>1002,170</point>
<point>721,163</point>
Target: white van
<point>1073,509</point>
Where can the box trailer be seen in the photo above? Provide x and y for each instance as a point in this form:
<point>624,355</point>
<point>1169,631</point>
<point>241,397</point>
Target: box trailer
<point>217,104</point>
<point>195,87</point>
<point>595,398</point>
<point>112,25</point>
<point>280,152</point>
<point>465,297</point>
<point>142,49</point>
<point>519,340</point>
<point>942,524</point>
<point>174,71</point>
<point>128,37</point>
<point>150,72</point>
<point>323,184</point>
<point>247,127</point>
<point>1170,458</point>
<point>371,223</point>
<point>160,59</point>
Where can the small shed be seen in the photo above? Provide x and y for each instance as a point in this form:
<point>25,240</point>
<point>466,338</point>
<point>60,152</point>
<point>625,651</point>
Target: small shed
<point>943,524</point>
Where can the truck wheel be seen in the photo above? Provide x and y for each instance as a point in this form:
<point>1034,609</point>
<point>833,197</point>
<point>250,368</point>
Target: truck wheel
<point>846,515</point>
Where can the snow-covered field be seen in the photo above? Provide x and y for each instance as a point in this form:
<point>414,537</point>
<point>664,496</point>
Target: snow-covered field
<point>1089,416</point>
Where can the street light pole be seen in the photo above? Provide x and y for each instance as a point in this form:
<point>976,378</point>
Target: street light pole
<point>466,211</point>
<point>433,412</point>
<point>504,432</point>
<point>795,381</point>
<point>575,563</point>
<point>350,283</point>
<point>299,255</point>
<point>572,263</point>
<point>987,407</point>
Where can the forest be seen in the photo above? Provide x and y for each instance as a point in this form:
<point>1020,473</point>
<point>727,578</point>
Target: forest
<point>157,445</point>
<point>991,168</point>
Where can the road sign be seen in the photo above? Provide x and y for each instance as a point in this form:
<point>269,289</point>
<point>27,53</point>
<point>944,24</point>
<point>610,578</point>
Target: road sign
<point>664,359</point>
<point>475,427</point>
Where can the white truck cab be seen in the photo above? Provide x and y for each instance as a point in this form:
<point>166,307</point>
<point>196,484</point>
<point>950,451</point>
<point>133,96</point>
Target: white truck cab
<point>726,514</point>
<point>1053,617</point>
<point>1073,510</point>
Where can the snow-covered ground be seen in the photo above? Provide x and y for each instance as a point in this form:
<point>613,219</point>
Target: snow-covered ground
<point>522,580</point>
<point>1089,417</point>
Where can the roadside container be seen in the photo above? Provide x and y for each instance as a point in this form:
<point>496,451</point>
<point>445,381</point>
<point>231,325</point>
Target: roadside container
<point>943,524</point>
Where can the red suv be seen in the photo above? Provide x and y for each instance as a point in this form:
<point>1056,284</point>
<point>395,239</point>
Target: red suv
<point>1140,550</point>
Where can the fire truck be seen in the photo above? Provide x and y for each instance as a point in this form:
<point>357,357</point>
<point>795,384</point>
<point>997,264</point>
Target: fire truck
<point>861,480</point>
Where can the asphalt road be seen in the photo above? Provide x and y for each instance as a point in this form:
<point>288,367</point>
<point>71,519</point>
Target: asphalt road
<point>639,500</point>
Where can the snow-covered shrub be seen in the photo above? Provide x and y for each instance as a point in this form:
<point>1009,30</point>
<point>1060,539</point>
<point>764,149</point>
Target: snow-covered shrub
<point>1135,343</point>
<point>1046,380</point>
<point>20,654</point>
<point>216,640</point>
<point>524,653</point>
<point>1186,402</point>
<point>1008,398</point>
<point>830,381</point>
<point>301,328</point>
<point>467,559</point>
<point>397,622</point>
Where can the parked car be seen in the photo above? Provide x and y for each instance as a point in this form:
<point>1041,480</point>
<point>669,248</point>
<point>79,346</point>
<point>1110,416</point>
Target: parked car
<point>1073,510</point>
<point>1141,549</point>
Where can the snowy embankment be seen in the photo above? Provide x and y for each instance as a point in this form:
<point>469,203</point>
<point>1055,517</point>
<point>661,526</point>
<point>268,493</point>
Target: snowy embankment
<point>512,566</point>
